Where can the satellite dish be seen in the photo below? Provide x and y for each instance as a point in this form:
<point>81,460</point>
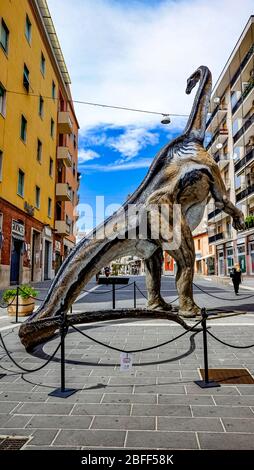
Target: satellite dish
<point>219,146</point>
<point>216,100</point>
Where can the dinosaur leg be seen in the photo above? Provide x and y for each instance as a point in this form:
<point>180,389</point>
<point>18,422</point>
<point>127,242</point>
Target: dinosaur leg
<point>185,259</point>
<point>153,268</point>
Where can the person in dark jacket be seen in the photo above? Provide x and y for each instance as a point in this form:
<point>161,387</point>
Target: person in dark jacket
<point>236,276</point>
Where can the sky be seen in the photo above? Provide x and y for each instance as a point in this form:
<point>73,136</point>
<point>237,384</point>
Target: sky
<point>136,54</point>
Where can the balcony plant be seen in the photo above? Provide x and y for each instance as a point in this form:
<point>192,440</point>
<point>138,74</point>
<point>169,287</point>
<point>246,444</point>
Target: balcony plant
<point>26,300</point>
<point>249,222</point>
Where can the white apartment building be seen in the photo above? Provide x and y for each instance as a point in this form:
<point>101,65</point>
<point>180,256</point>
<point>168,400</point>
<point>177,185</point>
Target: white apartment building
<point>230,130</point>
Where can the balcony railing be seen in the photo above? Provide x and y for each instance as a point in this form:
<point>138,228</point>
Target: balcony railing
<point>244,193</point>
<point>221,131</point>
<point>245,93</point>
<point>245,160</point>
<point>215,238</point>
<point>61,227</point>
<point>63,155</point>
<point>242,65</point>
<point>64,123</point>
<point>63,192</point>
<point>213,214</point>
<point>243,129</point>
<point>219,107</point>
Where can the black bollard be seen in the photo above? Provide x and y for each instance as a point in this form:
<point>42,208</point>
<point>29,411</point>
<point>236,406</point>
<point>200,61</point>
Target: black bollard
<point>17,305</point>
<point>134,295</point>
<point>63,392</point>
<point>113,296</point>
<point>205,383</point>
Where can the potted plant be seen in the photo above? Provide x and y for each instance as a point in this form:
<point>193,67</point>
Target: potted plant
<point>26,300</point>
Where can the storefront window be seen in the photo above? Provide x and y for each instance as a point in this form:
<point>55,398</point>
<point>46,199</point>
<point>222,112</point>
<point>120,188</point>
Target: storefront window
<point>252,257</point>
<point>242,257</point>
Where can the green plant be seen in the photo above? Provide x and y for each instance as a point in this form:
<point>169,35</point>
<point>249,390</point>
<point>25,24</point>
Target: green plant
<point>249,221</point>
<point>24,291</point>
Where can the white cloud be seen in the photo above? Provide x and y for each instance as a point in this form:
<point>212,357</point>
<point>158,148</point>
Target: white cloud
<point>132,141</point>
<point>85,155</point>
<point>139,54</point>
<point>117,166</point>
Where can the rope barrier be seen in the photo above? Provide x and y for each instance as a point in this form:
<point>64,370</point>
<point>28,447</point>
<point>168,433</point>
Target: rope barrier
<point>227,344</point>
<point>28,371</point>
<point>222,298</point>
<point>136,350</point>
<point>140,291</point>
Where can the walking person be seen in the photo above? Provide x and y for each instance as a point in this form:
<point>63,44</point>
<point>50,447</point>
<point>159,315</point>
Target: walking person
<point>236,276</point>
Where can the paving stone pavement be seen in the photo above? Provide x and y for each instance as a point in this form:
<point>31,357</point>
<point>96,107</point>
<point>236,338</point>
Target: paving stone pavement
<point>156,405</point>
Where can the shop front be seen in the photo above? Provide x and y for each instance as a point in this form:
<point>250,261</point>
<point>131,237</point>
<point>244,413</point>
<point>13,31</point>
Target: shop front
<point>17,252</point>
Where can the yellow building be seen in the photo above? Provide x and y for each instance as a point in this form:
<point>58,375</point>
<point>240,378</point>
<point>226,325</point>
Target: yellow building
<point>32,71</point>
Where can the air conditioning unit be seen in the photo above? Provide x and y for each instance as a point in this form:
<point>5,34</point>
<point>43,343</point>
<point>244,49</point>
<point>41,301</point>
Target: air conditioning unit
<point>251,140</point>
<point>244,85</point>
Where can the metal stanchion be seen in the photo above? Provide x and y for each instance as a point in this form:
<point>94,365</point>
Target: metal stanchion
<point>17,305</point>
<point>205,383</point>
<point>134,295</point>
<point>113,296</point>
<point>63,392</point>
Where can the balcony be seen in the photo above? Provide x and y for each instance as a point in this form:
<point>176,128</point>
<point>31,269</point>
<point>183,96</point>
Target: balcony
<point>248,158</point>
<point>219,137</point>
<point>215,238</point>
<point>244,193</point>
<point>63,192</point>
<point>244,104</point>
<point>64,156</point>
<point>213,214</point>
<point>220,112</point>
<point>243,135</point>
<point>61,227</point>
<point>243,69</point>
<point>64,123</point>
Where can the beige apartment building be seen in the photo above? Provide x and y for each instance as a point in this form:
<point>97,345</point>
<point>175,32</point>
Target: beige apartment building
<point>230,128</point>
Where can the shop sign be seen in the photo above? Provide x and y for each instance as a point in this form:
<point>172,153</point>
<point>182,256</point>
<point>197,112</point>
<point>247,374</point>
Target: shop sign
<point>48,231</point>
<point>57,246</point>
<point>18,228</point>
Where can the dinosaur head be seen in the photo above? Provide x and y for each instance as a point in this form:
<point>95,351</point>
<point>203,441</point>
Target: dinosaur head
<point>192,81</point>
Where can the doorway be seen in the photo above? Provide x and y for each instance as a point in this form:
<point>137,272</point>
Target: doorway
<point>47,263</point>
<point>16,253</point>
<point>35,274</point>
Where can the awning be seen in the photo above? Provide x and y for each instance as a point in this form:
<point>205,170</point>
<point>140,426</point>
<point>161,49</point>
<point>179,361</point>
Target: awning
<point>207,256</point>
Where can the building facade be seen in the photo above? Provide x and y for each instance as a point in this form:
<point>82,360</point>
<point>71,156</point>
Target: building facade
<point>231,143</point>
<point>33,126</point>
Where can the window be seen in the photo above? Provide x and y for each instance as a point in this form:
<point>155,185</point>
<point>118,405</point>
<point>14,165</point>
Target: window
<point>50,167</point>
<point>28,29</point>
<point>23,129</point>
<point>52,127</point>
<point>75,140</point>
<point>199,244</point>
<point>1,164</point>
<point>74,169</point>
<point>49,207</point>
<point>37,197</point>
<point>2,99</point>
<point>53,89</point>
<point>39,150</point>
<point>21,183</point>
<point>43,64</point>
<point>4,37</point>
<point>41,106</point>
<point>26,78</point>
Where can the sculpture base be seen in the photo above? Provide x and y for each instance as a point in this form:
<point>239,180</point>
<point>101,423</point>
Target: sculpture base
<point>204,384</point>
<point>59,393</point>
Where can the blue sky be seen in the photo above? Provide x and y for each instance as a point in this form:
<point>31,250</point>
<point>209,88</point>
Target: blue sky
<point>137,54</point>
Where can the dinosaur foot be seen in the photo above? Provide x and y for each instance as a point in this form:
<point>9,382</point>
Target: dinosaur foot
<point>190,312</point>
<point>160,305</point>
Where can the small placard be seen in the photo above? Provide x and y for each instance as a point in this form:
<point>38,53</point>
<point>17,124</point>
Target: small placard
<point>125,361</point>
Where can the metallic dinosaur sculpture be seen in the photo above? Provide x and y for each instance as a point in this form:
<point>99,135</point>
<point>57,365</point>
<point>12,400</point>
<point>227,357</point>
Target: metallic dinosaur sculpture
<point>183,173</point>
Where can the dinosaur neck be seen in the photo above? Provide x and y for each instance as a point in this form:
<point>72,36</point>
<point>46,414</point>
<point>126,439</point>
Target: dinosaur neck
<point>196,124</point>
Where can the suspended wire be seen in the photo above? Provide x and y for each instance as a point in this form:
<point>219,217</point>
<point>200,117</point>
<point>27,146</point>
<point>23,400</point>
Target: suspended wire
<point>101,105</point>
